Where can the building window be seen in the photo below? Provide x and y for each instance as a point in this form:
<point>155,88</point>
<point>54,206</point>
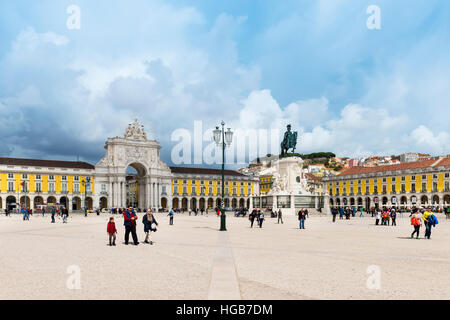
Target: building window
<point>38,177</point>
<point>64,187</point>
<point>163,190</point>
<point>424,187</point>
<point>413,187</point>
<point>51,177</point>
<point>76,188</point>
<point>64,178</point>
<point>447,186</point>
<point>51,187</point>
<point>413,178</point>
<point>76,178</point>
<point>38,187</point>
<point>393,188</point>
<point>403,178</point>
<point>10,186</point>
<point>24,176</point>
<point>447,175</point>
<point>384,189</point>
<point>403,188</point>
<point>10,175</point>
<point>424,177</point>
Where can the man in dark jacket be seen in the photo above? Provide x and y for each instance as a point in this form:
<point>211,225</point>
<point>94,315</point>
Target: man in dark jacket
<point>130,217</point>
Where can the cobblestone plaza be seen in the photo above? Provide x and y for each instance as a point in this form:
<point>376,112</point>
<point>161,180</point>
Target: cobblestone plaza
<point>192,260</point>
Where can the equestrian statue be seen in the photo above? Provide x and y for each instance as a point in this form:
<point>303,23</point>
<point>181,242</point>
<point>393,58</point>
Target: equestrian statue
<point>289,141</point>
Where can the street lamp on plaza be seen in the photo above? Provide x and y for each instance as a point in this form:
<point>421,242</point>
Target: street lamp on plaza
<point>85,184</point>
<point>224,139</point>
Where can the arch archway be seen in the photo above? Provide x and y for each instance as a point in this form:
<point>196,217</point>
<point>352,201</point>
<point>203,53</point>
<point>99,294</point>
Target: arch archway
<point>234,203</point>
<point>424,200</point>
<point>25,202</point>
<point>103,203</point>
<point>193,204</point>
<point>338,202</point>
<point>227,202</point>
<point>175,203</point>
<point>11,202</point>
<point>218,202</point>
<point>76,203</point>
<point>51,200</point>
<point>64,201</point>
<point>89,203</point>
<point>345,201</point>
<point>447,199</point>
<point>384,201</point>
<point>331,202</point>
<point>184,204</point>
<point>136,187</point>
<point>403,200</point>
<point>1,203</point>
<point>241,203</point>
<point>360,202</point>
<point>352,202</point>
<point>38,201</point>
<point>210,203</point>
<point>202,204</point>
<point>435,199</point>
<point>164,203</point>
<point>248,203</point>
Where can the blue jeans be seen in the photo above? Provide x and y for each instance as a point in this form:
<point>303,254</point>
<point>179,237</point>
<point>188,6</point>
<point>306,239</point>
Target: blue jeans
<point>302,223</point>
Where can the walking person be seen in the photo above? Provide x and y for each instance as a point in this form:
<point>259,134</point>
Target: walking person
<point>341,213</point>
<point>150,224</point>
<point>53,214</point>
<point>334,213</point>
<point>65,214</point>
<point>416,222</point>
<point>261,219</point>
<point>43,212</point>
<point>361,213</point>
<point>170,214</point>
<point>280,216</point>
<point>130,217</point>
<point>112,231</point>
<point>378,218</point>
<point>394,217</point>
<point>430,221</point>
<point>252,217</point>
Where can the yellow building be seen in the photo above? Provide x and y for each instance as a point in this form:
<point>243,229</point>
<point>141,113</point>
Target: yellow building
<point>202,188</point>
<point>32,182</point>
<point>403,185</point>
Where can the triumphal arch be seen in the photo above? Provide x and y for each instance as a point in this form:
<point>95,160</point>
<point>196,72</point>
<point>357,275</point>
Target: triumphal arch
<point>153,177</point>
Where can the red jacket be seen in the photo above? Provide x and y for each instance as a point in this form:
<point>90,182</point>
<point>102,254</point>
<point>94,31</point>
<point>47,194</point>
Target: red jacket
<point>111,227</point>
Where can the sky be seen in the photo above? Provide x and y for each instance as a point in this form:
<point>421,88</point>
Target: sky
<point>257,64</point>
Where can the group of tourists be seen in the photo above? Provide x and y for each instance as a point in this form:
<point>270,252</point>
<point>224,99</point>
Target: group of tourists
<point>384,217</point>
<point>130,222</point>
<point>257,215</point>
<point>427,217</point>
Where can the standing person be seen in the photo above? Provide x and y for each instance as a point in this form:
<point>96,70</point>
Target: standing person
<point>378,217</point>
<point>341,213</point>
<point>334,213</point>
<point>65,214</point>
<point>150,224</point>
<point>416,222</point>
<point>280,216</point>
<point>130,217</point>
<point>261,219</point>
<point>112,231</point>
<point>43,212</point>
<point>361,214</point>
<point>301,218</point>
<point>170,214</point>
<point>53,214</point>
<point>394,217</point>
<point>252,217</point>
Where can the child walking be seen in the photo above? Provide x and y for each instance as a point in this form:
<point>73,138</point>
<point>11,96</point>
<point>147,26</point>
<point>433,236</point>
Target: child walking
<point>112,231</point>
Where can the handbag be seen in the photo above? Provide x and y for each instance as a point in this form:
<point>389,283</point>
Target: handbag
<point>153,226</point>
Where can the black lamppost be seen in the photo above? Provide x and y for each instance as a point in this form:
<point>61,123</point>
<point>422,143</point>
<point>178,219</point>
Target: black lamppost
<point>224,139</point>
<point>85,184</point>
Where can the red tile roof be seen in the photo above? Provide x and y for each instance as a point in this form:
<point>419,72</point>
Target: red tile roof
<point>45,163</point>
<point>394,167</point>
<point>310,176</point>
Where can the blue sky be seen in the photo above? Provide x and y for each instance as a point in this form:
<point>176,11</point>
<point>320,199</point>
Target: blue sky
<point>255,64</point>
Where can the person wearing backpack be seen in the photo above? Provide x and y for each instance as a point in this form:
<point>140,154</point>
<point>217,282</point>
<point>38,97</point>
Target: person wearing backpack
<point>428,221</point>
<point>416,222</point>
